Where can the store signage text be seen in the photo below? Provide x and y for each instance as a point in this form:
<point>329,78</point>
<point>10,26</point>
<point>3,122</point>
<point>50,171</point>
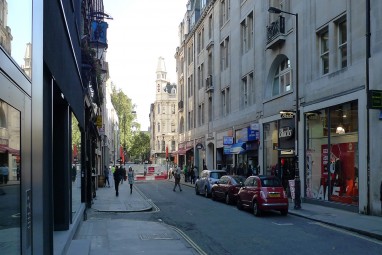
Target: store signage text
<point>285,132</point>
<point>287,115</point>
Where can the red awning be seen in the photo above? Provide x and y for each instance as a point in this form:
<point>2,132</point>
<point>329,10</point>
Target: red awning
<point>6,149</point>
<point>183,151</point>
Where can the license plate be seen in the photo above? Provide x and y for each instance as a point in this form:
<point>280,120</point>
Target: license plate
<point>274,194</point>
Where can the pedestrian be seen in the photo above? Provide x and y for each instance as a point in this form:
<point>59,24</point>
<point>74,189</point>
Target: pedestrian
<point>130,177</point>
<point>170,173</point>
<point>123,174</point>
<point>192,175</point>
<point>196,173</point>
<point>185,169</point>
<point>177,178</point>
<point>106,174</point>
<point>5,172</point>
<point>117,179</point>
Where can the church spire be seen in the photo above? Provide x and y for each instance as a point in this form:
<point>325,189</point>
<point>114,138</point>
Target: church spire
<point>161,70</point>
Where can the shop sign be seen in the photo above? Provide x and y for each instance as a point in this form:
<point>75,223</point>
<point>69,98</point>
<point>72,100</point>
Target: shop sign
<point>375,99</point>
<point>287,115</point>
<point>227,140</point>
<point>285,132</point>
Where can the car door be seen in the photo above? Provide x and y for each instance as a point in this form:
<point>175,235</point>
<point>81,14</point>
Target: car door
<point>222,183</point>
<point>247,190</point>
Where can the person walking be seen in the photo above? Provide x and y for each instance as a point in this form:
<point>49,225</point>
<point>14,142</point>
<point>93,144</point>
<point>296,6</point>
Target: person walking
<point>130,178</point>
<point>123,174</point>
<point>5,172</point>
<point>117,179</point>
<point>177,178</point>
<point>106,174</point>
<point>192,175</point>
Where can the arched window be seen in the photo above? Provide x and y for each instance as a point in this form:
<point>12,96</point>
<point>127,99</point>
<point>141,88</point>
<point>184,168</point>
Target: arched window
<point>282,79</point>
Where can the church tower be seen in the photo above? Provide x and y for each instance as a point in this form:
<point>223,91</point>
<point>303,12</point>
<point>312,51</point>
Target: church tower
<point>163,118</point>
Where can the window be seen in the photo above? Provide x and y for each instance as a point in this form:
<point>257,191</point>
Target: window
<point>246,33</point>
<point>342,44</point>
<point>224,11</point>
<point>225,101</point>
<point>251,88</point>
<point>200,40</point>
<point>172,145</point>
<point>173,127</point>
<point>190,89</point>
<point>201,76</point>
<point>283,78</point>
<point>244,92</point>
<point>210,109</point>
<point>173,109</point>
<point>158,127</point>
<point>158,108</point>
<point>224,53</point>
<point>190,54</point>
<point>190,120</point>
<point>210,27</point>
<point>201,114</point>
<point>324,50</point>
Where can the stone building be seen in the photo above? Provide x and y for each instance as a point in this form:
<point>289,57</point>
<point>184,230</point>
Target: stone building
<point>282,88</point>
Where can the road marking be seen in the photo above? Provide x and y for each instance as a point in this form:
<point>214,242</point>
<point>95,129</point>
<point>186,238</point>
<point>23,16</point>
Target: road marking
<point>283,224</point>
<point>348,232</point>
<point>188,239</point>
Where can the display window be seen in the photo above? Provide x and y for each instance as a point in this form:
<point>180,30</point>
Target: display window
<point>331,171</point>
<point>10,178</point>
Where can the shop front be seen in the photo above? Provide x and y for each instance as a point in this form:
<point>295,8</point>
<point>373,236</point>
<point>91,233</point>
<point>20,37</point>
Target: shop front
<point>224,159</point>
<point>279,150</point>
<point>332,154</point>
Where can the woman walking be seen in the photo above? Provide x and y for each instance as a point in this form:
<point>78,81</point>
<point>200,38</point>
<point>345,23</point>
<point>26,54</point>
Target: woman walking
<point>130,177</point>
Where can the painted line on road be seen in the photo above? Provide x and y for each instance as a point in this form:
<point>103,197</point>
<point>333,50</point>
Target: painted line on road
<point>283,224</point>
<point>188,240</point>
<point>344,231</point>
<point>155,207</point>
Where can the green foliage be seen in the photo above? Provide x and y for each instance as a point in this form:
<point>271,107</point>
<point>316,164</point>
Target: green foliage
<point>124,109</point>
<point>76,134</point>
<point>140,148</point>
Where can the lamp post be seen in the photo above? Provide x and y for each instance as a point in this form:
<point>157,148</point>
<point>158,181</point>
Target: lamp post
<point>297,183</point>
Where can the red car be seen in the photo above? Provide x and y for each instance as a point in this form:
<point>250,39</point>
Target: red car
<point>263,193</point>
<point>227,187</point>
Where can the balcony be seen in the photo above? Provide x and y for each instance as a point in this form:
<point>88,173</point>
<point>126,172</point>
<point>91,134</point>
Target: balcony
<point>209,84</point>
<point>276,33</point>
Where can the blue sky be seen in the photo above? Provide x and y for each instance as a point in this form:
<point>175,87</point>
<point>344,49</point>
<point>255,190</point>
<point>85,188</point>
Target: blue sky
<point>141,31</point>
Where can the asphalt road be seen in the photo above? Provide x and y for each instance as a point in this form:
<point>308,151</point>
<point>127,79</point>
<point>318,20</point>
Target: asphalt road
<point>220,229</point>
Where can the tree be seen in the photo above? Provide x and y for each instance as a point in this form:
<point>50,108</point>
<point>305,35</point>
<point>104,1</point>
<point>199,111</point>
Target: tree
<point>124,108</point>
<point>76,134</point>
<point>140,148</point>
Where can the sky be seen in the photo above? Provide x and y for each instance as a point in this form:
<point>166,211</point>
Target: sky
<point>142,31</point>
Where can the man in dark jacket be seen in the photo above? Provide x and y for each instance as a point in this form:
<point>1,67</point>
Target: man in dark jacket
<point>117,179</point>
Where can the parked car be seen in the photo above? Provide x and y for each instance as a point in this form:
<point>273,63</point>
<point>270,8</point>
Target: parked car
<point>263,193</point>
<point>227,187</point>
<point>205,181</point>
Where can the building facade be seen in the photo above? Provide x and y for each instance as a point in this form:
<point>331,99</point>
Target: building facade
<point>289,91</point>
<point>163,118</point>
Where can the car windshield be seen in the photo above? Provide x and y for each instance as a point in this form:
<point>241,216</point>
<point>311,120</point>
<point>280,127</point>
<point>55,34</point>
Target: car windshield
<point>238,179</point>
<point>216,175</point>
<point>270,182</point>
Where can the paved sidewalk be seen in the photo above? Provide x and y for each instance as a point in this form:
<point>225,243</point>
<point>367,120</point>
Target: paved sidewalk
<point>122,236</point>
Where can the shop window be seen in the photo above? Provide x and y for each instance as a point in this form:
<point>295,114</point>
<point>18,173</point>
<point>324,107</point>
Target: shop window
<point>332,168</point>
<point>10,177</point>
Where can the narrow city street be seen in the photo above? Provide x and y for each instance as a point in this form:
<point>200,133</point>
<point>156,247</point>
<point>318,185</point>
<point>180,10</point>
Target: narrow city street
<point>217,228</point>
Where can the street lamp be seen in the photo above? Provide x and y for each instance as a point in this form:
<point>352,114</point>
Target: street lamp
<point>297,182</point>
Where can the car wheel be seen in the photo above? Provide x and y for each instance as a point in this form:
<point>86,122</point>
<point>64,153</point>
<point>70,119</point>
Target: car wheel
<point>213,195</point>
<point>227,199</point>
<point>205,192</point>
<point>256,209</point>
<point>196,190</point>
<point>284,212</point>
<point>239,205</point>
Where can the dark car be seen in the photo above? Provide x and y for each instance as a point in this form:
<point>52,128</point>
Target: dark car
<point>227,187</point>
<point>263,193</point>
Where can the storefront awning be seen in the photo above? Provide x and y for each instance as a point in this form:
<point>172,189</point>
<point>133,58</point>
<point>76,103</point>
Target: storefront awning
<point>5,149</point>
<point>183,151</point>
<point>238,148</point>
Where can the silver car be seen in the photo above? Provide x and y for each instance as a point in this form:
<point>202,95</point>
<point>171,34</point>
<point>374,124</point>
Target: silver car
<point>205,181</point>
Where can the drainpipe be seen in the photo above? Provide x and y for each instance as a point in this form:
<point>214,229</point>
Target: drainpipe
<point>367,209</point>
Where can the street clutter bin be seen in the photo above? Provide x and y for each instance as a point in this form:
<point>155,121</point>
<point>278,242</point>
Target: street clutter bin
<point>101,181</point>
